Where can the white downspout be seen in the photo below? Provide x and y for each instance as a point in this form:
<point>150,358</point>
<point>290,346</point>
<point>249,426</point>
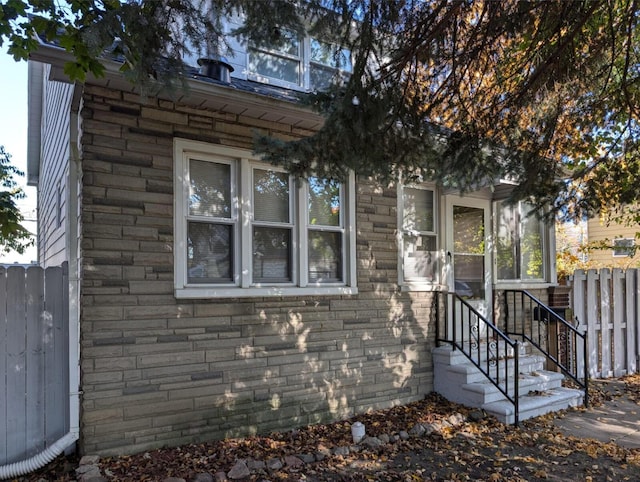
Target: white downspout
<point>54,450</point>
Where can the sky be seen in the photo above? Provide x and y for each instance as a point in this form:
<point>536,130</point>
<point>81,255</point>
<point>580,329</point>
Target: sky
<point>13,136</point>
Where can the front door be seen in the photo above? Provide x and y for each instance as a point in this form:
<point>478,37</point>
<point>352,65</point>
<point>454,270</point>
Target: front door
<point>468,232</point>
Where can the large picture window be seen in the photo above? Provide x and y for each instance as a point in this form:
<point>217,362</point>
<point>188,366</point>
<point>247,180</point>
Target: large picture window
<point>245,228</point>
<point>420,254</point>
<point>520,243</point>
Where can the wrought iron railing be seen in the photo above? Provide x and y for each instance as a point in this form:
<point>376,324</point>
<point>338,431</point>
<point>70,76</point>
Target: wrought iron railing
<point>483,343</point>
<point>546,329</point>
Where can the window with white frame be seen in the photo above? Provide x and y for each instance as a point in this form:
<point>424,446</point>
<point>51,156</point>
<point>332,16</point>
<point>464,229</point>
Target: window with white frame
<point>623,247</point>
<point>246,228</point>
<point>418,226</point>
<point>302,62</point>
<point>520,243</point>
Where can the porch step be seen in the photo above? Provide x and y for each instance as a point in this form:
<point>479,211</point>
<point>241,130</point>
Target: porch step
<point>481,393</point>
<point>535,404</point>
<point>540,391</point>
<point>446,354</point>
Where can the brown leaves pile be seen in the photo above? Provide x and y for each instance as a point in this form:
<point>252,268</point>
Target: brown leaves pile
<point>482,450</point>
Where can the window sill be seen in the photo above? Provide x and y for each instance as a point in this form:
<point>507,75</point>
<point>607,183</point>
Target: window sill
<point>422,286</point>
<point>227,292</point>
<point>523,285</point>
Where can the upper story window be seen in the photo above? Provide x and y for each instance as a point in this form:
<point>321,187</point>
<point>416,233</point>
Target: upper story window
<point>623,247</point>
<point>283,62</point>
<point>245,228</point>
<point>298,62</point>
<point>418,226</point>
<point>520,243</point>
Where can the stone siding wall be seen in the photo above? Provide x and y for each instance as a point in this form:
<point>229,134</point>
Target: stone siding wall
<point>158,371</point>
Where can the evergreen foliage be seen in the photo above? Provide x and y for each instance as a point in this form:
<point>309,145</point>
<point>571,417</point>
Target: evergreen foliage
<point>542,92</point>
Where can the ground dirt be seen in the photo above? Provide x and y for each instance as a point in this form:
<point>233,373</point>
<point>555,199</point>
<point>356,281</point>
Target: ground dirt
<point>476,449</point>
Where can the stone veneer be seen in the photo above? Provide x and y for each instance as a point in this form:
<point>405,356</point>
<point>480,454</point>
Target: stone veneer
<point>157,371</point>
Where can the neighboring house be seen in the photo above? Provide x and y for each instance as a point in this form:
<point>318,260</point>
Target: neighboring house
<point>621,241</point>
<point>217,296</point>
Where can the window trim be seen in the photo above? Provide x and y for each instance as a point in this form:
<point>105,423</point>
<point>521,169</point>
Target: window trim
<point>624,255</point>
<point>246,162</point>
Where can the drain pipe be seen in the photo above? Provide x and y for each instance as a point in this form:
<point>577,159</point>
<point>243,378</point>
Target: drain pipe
<point>38,461</point>
<point>72,224</point>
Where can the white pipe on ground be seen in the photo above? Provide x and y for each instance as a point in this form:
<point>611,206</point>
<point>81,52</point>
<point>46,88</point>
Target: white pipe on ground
<point>39,460</point>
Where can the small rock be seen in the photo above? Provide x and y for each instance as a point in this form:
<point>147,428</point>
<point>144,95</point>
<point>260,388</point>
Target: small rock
<point>477,415</point>
<point>456,419</point>
<point>239,470</point>
<point>173,479</point>
<point>417,430</point>
<point>384,438</point>
<point>85,469</point>
<point>89,460</point>
<point>293,461</point>
<point>430,428</point>
<point>274,464</point>
<point>256,464</point>
<point>372,442</point>
<point>404,435</point>
<point>307,458</point>
<point>204,477</point>
<point>341,451</point>
<point>320,456</point>
<point>93,478</point>
<point>221,476</point>
<point>324,450</point>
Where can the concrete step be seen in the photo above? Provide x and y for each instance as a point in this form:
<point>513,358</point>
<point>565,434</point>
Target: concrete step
<point>535,404</point>
<point>477,393</point>
<point>480,393</point>
<point>447,355</point>
<point>466,372</point>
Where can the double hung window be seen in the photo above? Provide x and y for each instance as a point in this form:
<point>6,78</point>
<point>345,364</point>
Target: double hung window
<point>298,62</point>
<point>520,243</point>
<point>420,254</point>
<point>245,228</point>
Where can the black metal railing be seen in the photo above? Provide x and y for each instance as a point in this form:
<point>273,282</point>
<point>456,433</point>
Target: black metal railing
<point>483,343</point>
<point>546,329</point>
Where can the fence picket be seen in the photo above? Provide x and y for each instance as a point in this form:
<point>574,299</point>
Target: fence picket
<point>619,324</point>
<point>631,313</point>
<point>16,363</point>
<point>593,322</point>
<point>579,311</point>
<point>35,361</point>
<point>605,323</point>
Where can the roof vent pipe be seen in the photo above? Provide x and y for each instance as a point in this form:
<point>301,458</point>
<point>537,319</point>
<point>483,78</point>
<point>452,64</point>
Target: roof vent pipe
<point>216,68</point>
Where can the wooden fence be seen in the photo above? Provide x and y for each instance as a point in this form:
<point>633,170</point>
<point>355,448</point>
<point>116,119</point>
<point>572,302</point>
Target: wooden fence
<point>606,304</point>
<point>34,365</point>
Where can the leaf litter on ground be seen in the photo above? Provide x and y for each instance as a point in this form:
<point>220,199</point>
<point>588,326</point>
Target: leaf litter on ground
<point>478,449</point>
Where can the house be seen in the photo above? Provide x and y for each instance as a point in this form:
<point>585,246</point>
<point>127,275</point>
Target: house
<point>215,295</point>
<point>621,240</point>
